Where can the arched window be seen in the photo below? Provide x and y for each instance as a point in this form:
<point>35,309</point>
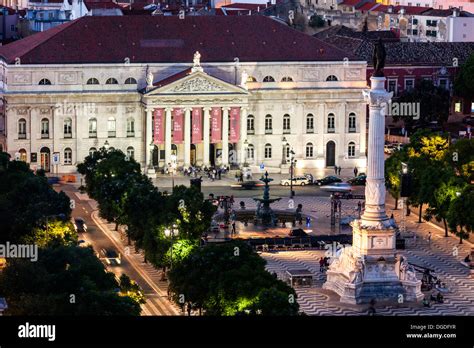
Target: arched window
<point>268,124</point>
<point>268,79</point>
<point>331,78</point>
<point>352,122</point>
<point>23,156</point>
<point>286,124</point>
<point>67,156</point>
<point>130,152</point>
<point>250,152</point>
<point>44,128</point>
<point>44,82</point>
<point>130,81</point>
<point>92,128</point>
<point>68,128</point>
<point>309,123</point>
<point>130,127</point>
<point>268,151</point>
<point>331,123</point>
<point>251,79</point>
<point>111,81</point>
<point>287,79</point>
<point>92,151</point>
<point>250,124</point>
<point>92,81</point>
<point>309,150</point>
<point>111,127</point>
<point>351,149</point>
<point>21,128</point>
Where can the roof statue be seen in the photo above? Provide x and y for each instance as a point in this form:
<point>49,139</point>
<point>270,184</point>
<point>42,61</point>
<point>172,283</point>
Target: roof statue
<point>197,62</point>
<point>378,58</point>
<point>149,78</point>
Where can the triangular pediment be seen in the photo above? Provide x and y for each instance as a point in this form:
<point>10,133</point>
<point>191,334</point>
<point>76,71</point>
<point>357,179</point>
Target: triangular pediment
<point>197,82</point>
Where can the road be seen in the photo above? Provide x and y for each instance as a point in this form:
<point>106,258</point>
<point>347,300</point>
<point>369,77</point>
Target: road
<point>132,265</point>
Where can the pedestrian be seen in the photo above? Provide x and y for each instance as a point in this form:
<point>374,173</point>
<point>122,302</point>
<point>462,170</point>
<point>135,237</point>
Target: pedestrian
<point>355,171</point>
<point>241,177</point>
<point>429,238</point>
<point>189,309</point>
<point>339,171</point>
<point>321,264</point>
<point>233,226</point>
<point>219,173</point>
<point>335,170</point>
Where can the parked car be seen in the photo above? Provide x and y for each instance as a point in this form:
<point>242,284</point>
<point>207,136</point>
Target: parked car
<point>247,185</point>
<point>80,225</point>
<point>359,180</point>
<point>297,181</point>
<point>110,256</point>
<point>327,180</point>
<point>297,232</point>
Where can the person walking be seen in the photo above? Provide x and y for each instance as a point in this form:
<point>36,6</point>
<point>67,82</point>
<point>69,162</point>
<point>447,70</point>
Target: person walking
<point>355,171</point>
<point>233,226</point>
<point>339,171</point>
<point>429,238</point>
<point>335,170</point>
<point>321,265</point>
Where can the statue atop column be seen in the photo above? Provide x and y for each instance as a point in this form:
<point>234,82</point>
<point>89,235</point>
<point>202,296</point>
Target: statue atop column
<point>378,58</point>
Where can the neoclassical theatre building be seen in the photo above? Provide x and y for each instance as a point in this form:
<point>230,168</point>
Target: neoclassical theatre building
<point>201,90</point>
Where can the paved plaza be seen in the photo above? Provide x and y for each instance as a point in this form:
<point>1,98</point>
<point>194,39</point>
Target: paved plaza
<point>442,254</point>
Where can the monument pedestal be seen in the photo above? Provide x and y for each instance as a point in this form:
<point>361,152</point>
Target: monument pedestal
<point>151,173</point>
<point>371,269</point>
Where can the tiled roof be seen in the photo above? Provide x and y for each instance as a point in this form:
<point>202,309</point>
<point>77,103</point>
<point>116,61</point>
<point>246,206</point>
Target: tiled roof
<point>350,2</point>
<point>341,30</point>
<point>94,5</point>
<point>242,6</point>
<point>150,39</point>
<point>370,6</point>
<point>446,13</point>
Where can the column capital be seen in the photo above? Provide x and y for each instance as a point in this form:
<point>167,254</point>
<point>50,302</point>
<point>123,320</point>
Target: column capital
<point>149,109</point>
<point>188,108</point>
<point>168,109</point>
<point>207,108</point>
<point>226,108</point>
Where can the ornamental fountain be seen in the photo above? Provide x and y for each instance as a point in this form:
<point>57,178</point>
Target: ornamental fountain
<point>264,214</point>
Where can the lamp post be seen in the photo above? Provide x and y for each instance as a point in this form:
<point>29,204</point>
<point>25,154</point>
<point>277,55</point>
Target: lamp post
<point>285,144</point>
<point>106,145</point>
<point>246,146</point>
<point>151,148</point>
<point>292,164</point>
<point>173,166</point>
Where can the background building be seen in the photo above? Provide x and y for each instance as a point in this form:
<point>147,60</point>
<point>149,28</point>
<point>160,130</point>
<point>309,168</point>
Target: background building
<point>115,87</point>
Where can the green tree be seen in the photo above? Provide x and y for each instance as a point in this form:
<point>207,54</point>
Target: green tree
<point>228,279</point>
<point>434,104</point>
<point>55,232</point>
<point>393,167</point>
<point>66,280</point>
<point>316,22</point>
<point>461,214</point>
<point>464,81</point>
<point>461,157</point>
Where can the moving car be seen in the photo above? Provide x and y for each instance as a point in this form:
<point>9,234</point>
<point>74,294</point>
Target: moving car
<point>247,185</point>
<point>359,180</point>
<point>110,256</point>
<point>80,225</point>
<point>337,187</point>
<point>297,181</point>
<point>327,180</point>
<point>297,232</point>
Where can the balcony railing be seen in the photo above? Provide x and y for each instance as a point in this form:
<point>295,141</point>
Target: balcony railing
<point>67,135</point>
<point>352,130</point>
<point>268,131</point>
<point>286,131</point>
<point>44,135</point>
<point>111,134</point>
<point>250,131</point>
<point>130,134</point>
<point>310,130</point>
<point>92,134</point>
<point>331,130</point>
<point>21,135</point>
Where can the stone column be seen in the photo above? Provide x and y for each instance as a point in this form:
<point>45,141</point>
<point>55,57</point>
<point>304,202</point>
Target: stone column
<point>168,136</point>
<point>206,140</point>
<point>187,137</point>
<point>243,134</point>
<point>225,136</point>
<point>377,97</point>
<point>148,138</point>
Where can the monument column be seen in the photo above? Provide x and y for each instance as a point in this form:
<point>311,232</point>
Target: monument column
<point>187,137</point>
<point>206,137</point>
<point>168,136</point>
<point>225,136</point>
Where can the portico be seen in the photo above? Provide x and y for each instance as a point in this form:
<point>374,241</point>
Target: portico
<point>196,117</point>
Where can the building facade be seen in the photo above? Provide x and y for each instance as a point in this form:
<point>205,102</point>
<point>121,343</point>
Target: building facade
<point>194,97</point>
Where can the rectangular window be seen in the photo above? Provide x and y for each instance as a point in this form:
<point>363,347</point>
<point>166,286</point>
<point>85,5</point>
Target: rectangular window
<point>286,125</point>
<point>443,83</point>
<point>309,124</point>
<point>268,152</point>
<point>268,126</point>
<point>415,32</point>
<point>331,124</point>
<point>457,106</point>
<point>250,126</point>
<point>392,86</point>
<point>409,84</point>
<point>309,151</point>
<point>67,157</point>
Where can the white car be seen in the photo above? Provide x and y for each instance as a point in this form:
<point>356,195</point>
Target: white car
<point>297,181</point>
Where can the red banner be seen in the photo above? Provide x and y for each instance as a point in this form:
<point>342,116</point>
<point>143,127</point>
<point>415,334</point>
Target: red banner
<point>216,125</point>
<point>196,125</point>
<point>158,126</point>
<point>234,125</point>
<point>178,125</point>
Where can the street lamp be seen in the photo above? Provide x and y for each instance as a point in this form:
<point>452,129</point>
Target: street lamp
<point>292,164</point>
<point>285,144</point>
<point>106,145</point>
<point>246,146</point>
<point>151,147</point>
<point>170,233</point>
